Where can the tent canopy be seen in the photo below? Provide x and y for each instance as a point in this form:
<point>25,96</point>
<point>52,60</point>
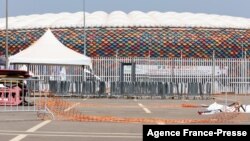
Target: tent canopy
<point>49,50</point>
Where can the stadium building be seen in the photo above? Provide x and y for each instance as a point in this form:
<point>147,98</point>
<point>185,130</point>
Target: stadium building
<point>135,34</point>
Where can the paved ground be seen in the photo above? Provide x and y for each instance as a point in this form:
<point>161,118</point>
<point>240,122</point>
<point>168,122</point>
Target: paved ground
<point>70,131</point>
<point>25,126</point>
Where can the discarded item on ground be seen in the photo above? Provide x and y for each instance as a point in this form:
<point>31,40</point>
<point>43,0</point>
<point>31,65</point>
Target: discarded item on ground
<point>218,108</point>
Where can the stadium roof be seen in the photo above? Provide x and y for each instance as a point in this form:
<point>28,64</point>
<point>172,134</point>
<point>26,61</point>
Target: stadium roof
<point>121,19</point>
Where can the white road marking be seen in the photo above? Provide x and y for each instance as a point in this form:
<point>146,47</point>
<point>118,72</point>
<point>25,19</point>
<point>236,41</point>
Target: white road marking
<point>84,99</point>
<point>144,108</point>
<point>71,107</point>
<point>31,130</point>
<point>19,137</point>
<point>86,136</point>
<point>135,100</point>
<point>70,133</point>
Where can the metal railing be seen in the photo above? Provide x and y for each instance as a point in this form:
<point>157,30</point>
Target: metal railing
<point>22,95</point>
<point>220,75</point>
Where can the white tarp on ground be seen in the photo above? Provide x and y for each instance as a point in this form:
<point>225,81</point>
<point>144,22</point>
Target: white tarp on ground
<point>215,106</point>
<point>49,50</point>
<point>247,109</point>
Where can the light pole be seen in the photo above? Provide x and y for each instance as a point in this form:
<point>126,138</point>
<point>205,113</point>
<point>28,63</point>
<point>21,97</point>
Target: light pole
<point>241,44</point>
<point>243,64</point>
<point>6,36</point>
<point>84,26</point>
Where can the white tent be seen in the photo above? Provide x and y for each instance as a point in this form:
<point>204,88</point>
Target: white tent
<point>49,50</point>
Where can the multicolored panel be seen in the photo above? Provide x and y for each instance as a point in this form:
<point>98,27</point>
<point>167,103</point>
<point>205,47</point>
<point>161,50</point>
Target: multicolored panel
<point>141,42</point>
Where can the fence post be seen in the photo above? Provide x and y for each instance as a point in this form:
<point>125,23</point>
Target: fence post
<point>245,73</point>
<point>133,69</point>
<point>117,66</point>
<point>213,74</point>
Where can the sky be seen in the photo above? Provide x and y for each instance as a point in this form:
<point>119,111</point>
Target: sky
<point>239,8</point>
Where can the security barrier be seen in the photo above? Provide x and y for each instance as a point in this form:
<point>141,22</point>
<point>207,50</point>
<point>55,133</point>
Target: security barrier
<point>177,77</point>
<point>22,95</point>
<point>140,89</point>
<point>77,88</point>
<point>162,89</point>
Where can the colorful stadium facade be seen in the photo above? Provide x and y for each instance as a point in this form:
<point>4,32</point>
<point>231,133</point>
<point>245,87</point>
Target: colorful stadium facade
<point>151,34</point>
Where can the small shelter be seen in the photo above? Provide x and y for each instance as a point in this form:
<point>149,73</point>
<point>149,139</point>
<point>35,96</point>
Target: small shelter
<point>49,50</point>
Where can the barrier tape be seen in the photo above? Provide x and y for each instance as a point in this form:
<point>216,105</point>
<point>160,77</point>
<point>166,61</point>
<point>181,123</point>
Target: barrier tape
<point>58,106</point>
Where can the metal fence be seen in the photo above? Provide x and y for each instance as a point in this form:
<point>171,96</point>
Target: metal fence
<point>22,95</point>
<point>174,75</point>
<point>210,75</point>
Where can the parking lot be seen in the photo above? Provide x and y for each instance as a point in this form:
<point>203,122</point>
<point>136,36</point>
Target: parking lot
<point>26,126</point>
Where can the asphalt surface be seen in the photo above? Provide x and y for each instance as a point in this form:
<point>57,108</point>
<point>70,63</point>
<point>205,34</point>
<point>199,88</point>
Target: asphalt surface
<point>26,126</point>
